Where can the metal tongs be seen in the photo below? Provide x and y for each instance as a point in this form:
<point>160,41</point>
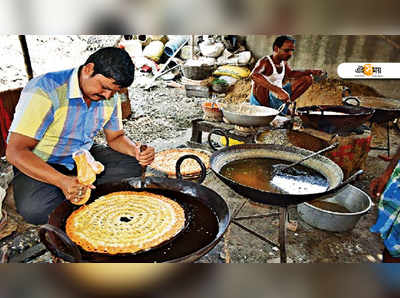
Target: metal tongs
<point>279,168</point>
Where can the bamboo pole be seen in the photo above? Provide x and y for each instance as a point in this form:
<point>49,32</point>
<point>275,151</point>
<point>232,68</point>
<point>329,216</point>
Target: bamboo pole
<point>27,59</point>
<point>192,47</point>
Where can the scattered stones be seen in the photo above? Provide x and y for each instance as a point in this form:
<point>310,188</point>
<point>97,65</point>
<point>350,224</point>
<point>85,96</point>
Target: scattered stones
<point>159,113</point>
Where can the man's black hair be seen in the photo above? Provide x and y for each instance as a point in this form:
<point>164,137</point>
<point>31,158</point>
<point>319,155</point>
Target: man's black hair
<point>113,63</point>
<point>281,39</point>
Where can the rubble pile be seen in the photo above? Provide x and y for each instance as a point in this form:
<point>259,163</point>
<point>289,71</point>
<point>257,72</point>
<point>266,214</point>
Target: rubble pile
<point>207,66</point>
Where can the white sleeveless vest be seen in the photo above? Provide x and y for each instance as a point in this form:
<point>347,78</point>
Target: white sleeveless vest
<point>275,78</point>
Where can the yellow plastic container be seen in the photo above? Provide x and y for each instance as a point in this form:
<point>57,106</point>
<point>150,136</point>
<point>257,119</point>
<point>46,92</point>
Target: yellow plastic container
<point>231,141</point>
<point>154,50</point>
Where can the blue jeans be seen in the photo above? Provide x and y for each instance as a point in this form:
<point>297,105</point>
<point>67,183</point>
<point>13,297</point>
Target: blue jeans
<point>35,200</point>
<point>274,102</point>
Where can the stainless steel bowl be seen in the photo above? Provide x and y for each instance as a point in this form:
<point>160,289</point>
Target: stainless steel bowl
<point>249,115</point>
<point>352,198</point>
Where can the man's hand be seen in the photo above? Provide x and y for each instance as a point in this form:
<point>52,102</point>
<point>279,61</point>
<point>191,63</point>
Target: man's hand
<point>72,189</point>
<point>291,108</point>
<point>121,143</point>
<point>146,157</point>
<point>316,72</point>
<point>283,95</point>
<point>378,184</point>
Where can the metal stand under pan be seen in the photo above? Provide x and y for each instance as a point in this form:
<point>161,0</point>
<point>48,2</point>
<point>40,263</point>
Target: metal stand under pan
<point>386,110</point>
<point>283,214</point>
<point>387,140</point>
<point>283,221</point>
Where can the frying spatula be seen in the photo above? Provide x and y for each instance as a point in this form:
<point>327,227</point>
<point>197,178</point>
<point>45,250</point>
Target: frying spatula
<point>278,169</point>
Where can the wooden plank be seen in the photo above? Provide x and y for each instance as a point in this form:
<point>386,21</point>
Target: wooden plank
<point>197,91</point>
<point>204,82</point>
<point>197,94</point>
<point>196,132</point>
<point>196,88</point>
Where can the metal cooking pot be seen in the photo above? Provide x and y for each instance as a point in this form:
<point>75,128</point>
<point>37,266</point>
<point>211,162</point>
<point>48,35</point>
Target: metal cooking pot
<point>249,115</point>
<point>330,170</point>
<point>325,117</point>
<point>206,211</point>
<point>354,199</point>
<point>385,109</point>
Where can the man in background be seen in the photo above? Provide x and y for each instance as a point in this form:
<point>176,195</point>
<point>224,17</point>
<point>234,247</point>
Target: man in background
<point>270,73</point>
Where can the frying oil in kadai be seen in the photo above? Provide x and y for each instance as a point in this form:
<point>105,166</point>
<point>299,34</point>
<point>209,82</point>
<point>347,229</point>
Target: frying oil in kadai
<point>258,173</point>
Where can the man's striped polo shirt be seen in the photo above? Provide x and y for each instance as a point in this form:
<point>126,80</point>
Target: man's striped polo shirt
<point>51,110</point>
